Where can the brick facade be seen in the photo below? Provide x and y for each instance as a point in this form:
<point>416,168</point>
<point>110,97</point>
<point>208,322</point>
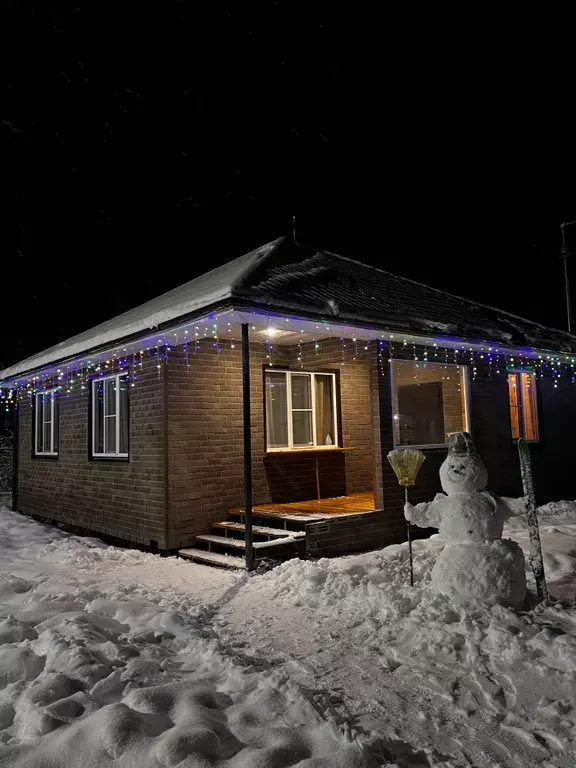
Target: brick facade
<point>118,498</point>
<point>185,469</point>
<point>205,448</point>
<point>205,440</point>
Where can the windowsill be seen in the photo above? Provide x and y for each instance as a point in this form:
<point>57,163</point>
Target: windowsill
<point>51,456</point>
<point>110,456</point>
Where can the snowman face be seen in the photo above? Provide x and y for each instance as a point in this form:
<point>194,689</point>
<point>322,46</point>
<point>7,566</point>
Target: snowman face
<point>462,474</point>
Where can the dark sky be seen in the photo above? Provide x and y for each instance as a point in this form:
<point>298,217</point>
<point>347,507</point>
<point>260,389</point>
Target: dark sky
<point>142,146</point>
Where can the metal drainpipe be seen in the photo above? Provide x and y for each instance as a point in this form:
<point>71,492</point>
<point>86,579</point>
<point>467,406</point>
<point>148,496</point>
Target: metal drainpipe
<point>247,447</point>
<point>15,459</point>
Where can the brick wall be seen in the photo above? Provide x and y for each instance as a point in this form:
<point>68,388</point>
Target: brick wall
<point>354,405</point>
<point>553,456</point>
<point>490,428</point>
<point>123,499</point>
<point>491,432</point>
<point>205,436</point>
<point>205,456</point>
<point>353,534</point>
<point>205,442</point>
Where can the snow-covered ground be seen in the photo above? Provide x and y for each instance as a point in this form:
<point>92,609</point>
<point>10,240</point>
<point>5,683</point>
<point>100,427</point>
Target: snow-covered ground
<point>112,657</point>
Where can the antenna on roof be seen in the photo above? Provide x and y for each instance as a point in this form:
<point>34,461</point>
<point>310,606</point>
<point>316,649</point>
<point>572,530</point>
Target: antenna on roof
<point>564,253</point>
<point>294,227</point>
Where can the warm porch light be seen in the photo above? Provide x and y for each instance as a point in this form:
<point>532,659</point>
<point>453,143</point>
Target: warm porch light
<point>271,331</point>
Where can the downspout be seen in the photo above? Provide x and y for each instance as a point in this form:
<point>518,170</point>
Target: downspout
<point>166,467</point>
<point>15,458</point>
<point>247,447</point>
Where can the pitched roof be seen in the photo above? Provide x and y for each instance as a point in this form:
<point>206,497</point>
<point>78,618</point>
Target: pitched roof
<point>286,276</point>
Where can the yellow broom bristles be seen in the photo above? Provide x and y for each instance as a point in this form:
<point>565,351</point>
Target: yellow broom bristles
<point>406,462</point>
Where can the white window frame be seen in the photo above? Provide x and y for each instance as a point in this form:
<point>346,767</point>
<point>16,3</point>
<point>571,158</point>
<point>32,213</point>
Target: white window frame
<point>115,416</point>
<point>44,394</point>
<point>311,375</point>
<point>466,391</point>
<point>516,372</point>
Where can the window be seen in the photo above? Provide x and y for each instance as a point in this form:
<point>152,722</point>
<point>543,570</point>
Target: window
<point>110,416</point>
<point>46,423</point>
<point>429,402</point>
<point>300,410</point>
<point>523,407</point>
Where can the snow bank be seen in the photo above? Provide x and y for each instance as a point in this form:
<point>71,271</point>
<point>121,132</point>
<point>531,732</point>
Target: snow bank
<point>555,510</point>
<point>420,677</point>
<point>112,657</point>
<point>108,658</point>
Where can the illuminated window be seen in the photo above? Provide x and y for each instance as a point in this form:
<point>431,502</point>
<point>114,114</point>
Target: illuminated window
<point>429,402</point>
<point>110,417</point>
<point>523,407</point>
<point>300,410</point>
<point>46,423</point>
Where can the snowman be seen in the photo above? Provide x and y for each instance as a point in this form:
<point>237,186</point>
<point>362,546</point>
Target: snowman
<point>476,564</point>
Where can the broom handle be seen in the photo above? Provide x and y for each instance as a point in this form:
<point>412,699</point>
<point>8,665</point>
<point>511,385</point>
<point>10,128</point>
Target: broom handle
<point>409,540</point>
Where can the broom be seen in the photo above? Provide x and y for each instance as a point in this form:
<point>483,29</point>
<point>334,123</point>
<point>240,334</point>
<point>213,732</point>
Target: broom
<point>406,462</point>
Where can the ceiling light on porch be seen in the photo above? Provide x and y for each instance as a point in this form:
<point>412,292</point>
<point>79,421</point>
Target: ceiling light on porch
<point>271,331</point>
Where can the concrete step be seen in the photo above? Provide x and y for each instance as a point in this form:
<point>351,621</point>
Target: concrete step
<point>260,530</point>
<point>212,558</point>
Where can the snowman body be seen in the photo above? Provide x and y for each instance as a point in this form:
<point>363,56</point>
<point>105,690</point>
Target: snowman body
<point>476,564</point>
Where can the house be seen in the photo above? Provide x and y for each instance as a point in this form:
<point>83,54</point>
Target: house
<point>260,401</point>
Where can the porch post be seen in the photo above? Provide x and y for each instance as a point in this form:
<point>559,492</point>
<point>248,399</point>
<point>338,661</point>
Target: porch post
<point>247,446</point>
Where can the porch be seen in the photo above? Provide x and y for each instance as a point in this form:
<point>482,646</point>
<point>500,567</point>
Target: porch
<point>317,412</point>
<point>315,509</point>
<point>278,530</point>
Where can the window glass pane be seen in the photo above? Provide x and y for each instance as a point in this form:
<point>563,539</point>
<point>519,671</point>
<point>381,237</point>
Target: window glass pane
<point>429,402</point>
<point>514,400</point>
<point>98,425</point>
<point>47,427</point>
<point>55,423</point>
<point>39,424</point>
<point>123,415</point>
<point>325,428</point>
<point>302,428</point>
<point>47,432</point>
<point>529,408</point>
<point>301,392</point>
<point>110,407</point>
<point>276,410</point>
<point>110,434</point>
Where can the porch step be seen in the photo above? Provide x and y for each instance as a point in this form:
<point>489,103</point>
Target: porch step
<point>273,533</point>
<point>257,513</point>
<point>228,541</point>
<point>212,558</point>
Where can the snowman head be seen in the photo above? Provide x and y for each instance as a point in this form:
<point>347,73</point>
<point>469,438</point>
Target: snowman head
<point>463,470</point>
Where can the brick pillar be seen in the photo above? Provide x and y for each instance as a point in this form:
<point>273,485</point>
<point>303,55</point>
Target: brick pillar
<point>387,493</point>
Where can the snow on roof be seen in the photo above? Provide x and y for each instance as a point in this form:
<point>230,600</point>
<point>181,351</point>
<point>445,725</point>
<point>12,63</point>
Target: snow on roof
<point>211,288</point>
<point>285,276</point>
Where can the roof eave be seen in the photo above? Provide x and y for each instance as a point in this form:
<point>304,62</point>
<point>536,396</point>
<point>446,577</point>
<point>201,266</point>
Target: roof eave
<point>7,376</point>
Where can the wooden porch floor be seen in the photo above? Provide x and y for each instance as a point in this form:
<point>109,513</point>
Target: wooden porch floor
<point>353,504</point>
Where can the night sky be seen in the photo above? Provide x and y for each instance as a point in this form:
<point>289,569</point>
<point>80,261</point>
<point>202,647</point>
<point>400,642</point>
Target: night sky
<point>140,148</point>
